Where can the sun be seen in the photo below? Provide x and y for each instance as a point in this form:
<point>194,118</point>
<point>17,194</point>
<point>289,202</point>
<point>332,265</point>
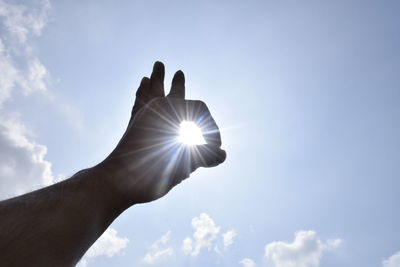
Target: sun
<point>190,134</point>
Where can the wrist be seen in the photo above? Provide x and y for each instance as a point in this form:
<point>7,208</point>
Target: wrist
<point>113,183</point>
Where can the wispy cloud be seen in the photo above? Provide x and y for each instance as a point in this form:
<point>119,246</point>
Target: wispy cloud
<point>159,250</point>
<point>305,251</point>
<point>20,68</point>
<point>22,21</point>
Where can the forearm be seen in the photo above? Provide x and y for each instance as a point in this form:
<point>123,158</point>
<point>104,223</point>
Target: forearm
<point>54,226</point>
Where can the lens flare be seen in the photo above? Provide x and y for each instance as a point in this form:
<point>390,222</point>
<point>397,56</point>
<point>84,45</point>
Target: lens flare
<point>190,134</point>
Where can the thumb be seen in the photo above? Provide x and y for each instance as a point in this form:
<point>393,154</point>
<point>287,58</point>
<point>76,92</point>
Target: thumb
<point>207,155</point>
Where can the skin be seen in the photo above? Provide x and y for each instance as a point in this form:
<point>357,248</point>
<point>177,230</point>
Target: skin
<point>56,225</point>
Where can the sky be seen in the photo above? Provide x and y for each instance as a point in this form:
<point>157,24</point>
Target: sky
<point>306,94</point>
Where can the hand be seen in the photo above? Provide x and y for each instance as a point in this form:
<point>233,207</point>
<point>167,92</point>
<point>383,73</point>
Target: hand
<point>149,160</point>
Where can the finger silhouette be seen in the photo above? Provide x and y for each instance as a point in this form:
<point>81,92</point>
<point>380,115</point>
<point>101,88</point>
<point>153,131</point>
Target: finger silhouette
<point>142,95</point>
<point>178,85</point>
<point>201,115</point>
<point>210,129</point>
<point>192,157</point>
<point>157,80</point>
<point>206,156</point>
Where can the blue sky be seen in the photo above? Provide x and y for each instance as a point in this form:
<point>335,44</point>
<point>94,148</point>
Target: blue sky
<point>306,94</point>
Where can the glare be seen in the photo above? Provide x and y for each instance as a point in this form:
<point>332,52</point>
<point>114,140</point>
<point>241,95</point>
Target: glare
<point>190,134</point>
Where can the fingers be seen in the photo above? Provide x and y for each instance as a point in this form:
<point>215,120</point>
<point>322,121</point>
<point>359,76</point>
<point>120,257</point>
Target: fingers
<point>207,124</point>
<point>206,156</point>
<point>178,85</point>
<point>142,95</point>
<point>191,158</point>
<point>210,130</point>
<point>157,80</point>
<point>150,88</point>
<point>143,91</point>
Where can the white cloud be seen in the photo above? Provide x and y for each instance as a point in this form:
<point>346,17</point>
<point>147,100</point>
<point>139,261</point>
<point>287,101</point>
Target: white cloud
<point>228,237</point>
<point>29,76</point>
<point>392,261</point>
<point>187,245</point>
<point>22,164</point>
<point>205,233</point>
<point>108,244</point>
<point>156,253</point>
<point>305,251</point>
<point>19,68</point>
<point>22,161</point>
<point>246,262</point>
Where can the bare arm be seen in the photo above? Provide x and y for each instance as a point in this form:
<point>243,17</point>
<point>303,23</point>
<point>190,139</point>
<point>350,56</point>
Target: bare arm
<point>55,226</point>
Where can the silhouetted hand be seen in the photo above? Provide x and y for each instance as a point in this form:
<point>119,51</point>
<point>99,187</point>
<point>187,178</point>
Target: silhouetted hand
<point>149,160</point>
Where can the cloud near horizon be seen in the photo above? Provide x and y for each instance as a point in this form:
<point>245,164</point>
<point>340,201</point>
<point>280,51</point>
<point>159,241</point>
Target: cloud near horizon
<point>108,244</point>
<point>306,250</point>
